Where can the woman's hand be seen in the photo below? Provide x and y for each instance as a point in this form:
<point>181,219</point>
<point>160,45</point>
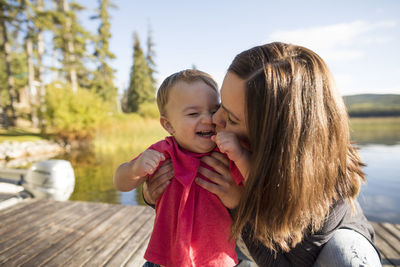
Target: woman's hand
<point>223,185</point>
<point>155,187</point>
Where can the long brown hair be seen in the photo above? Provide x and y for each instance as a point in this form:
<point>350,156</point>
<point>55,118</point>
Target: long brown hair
<point>302,160</point>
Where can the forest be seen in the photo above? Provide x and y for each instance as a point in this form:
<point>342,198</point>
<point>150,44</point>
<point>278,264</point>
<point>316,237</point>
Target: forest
<point>56,75</point>
<point>373,105</point>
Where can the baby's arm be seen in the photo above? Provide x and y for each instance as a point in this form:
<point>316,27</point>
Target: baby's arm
<point>228,143</point>
<point>130,175</point>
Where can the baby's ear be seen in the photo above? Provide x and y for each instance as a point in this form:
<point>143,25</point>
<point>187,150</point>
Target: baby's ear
<point>167,125</point>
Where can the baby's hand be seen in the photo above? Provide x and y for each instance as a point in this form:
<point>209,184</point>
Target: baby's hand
<point>228,143</point>
<point>148,162</point>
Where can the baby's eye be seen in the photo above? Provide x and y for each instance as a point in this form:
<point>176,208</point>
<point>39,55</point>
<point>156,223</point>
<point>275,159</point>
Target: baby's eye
<point>193,114</point>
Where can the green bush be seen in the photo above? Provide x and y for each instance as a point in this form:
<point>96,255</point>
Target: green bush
<point>148,110</point>
<point>73,116</point>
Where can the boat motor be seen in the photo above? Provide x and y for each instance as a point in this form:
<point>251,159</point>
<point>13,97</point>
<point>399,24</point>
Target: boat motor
<point>50,179</point>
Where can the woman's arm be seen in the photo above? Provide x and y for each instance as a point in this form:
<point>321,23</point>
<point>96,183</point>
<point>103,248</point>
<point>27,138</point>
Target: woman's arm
<point>223,185</point>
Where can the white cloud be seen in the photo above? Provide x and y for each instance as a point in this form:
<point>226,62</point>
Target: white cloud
<point>338,42</point>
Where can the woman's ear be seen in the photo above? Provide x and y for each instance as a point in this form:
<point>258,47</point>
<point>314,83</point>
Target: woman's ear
<point>166,125</point>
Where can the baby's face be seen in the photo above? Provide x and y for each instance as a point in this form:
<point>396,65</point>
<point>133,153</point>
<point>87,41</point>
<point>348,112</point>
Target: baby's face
<point>189,112</point>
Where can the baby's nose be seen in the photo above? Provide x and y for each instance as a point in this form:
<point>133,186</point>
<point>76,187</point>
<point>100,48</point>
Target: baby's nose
<point>207,118</point>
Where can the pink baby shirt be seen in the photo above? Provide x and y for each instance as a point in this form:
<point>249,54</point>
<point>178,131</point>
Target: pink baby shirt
<point>192,226</point>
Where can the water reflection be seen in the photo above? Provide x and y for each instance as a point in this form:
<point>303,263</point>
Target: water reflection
<point>380,197</point>
<point>379,142</point>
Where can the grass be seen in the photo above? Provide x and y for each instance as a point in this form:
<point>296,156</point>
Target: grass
<point>128,131</point>
<point>19,135</point>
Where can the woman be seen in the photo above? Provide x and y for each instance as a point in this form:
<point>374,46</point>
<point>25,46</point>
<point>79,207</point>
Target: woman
<point>281,102</point>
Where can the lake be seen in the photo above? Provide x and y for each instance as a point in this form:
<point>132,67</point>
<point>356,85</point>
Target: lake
<point>377,138</point>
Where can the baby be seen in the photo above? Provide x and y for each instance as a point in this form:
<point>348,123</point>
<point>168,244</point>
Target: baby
<point>191,227</point>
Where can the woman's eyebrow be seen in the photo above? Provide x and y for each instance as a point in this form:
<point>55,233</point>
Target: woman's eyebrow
<point>230,113</point>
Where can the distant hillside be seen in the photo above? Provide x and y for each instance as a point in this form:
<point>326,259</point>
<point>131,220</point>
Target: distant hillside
<point>373,105</point>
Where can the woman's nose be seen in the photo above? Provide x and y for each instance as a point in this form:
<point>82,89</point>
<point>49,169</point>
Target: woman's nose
<point>218,118</point>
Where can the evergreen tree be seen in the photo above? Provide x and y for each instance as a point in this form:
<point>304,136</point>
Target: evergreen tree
<point>71,39</point>
<point>140,89</point>
<point>150,57</point>
<point>9,13</point>
<point>104,75</point>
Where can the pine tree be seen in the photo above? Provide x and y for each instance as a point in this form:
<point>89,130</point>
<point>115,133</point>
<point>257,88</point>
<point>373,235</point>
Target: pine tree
<point>140,89</point>
<point>104,75</point>
<point>71,38</point>
<point>150,55</point>
<point>9,12</point>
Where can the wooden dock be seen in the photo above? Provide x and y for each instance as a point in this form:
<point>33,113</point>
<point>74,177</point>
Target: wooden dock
<point>50,233</point>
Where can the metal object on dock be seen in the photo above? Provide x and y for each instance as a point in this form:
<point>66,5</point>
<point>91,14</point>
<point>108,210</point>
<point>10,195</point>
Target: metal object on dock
<point>50,179</point>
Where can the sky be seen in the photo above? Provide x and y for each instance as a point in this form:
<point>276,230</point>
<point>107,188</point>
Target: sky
<point>358,39</point>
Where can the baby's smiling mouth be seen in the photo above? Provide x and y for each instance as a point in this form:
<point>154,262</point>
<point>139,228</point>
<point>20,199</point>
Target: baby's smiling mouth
<point>205,133</point>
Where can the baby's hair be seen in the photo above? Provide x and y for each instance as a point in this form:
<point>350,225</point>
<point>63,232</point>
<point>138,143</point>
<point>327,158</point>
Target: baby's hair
<point>188,76</point>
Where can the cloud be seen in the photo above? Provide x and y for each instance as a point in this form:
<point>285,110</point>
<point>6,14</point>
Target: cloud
<point>338,42</point>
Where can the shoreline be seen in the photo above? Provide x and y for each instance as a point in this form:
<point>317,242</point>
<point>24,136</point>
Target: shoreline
<point>18,154</point>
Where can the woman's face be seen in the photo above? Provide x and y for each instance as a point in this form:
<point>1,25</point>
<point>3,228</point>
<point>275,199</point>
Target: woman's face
<point>231,115</point>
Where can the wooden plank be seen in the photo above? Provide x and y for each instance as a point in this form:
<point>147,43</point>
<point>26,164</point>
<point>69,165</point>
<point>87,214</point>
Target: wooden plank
<point>26,217</point>
<point>41,235</point>
<point>24,229</point>
<point>86,222</point>
<point>55,232</point>
<point>131,246</point>
<point>25,204</point>
<point>394,241</point>
<point>80,245</point>
<point>99,242</point>
<point>138,217</point>
<point>393,231</point>
<point>388,237</point>
<point>22,212</point>
<point>137,258</point>
<point>388,254</point>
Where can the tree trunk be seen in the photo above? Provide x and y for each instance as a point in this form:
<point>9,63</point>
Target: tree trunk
<point>10,78</point>
<point>54,52</point>
<point>42,89</point>
<point>31,79</point>
<point>70,48</point>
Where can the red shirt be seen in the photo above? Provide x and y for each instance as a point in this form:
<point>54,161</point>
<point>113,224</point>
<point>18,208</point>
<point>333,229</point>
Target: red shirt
<point>192,226</point>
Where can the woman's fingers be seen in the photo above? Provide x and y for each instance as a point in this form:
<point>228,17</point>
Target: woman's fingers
<point>213,188</point>
<point>218,162</point>
<point>155,187</point>
<point>221,182</point>
<point>221,157</point>
<point>213,176</point>
<point>163,174</point>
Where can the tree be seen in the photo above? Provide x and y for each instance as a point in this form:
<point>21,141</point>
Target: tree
<point>140,89</point>
<point>7,13</point>
<point>37,21</point>
<point>71,39</point>
<point>104,75</point>
<point>150,57</point>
